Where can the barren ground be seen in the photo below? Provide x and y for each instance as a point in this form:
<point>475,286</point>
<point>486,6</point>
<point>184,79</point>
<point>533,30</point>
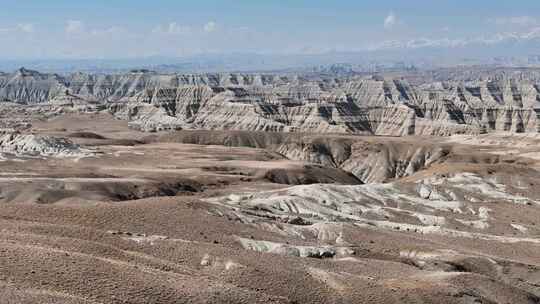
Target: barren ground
<point>240,217</point>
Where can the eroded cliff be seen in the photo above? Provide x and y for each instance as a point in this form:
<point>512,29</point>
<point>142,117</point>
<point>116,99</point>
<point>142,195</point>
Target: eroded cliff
<point>257,102</point>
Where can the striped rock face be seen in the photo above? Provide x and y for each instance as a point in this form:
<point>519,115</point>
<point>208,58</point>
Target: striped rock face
<point>293,103</point>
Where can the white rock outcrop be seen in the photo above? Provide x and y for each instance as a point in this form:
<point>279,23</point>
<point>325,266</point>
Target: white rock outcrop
<point>285,103</point>
<point>34,145</point>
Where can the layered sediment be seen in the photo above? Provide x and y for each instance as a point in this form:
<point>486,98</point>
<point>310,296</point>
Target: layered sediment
<point>257,102</point>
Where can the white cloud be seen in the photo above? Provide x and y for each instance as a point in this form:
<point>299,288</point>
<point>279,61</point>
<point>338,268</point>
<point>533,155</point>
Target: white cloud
<point>486,40</point>
<point>210,27</point>
<point>172,28</point>
<point>26,27</point>
<point>113,30</point>
<point>533,33</point>
<point>74,26</point>
<point>21,27</point>
<point>390,20</point>
<point>515,20</point>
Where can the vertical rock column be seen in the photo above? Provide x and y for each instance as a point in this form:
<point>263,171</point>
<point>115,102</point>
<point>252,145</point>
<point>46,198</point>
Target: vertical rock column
<point>488,119</point>
<point>411,122</point>
<point>507,119</point>
<point>536,108</point>
<point>479,116</point>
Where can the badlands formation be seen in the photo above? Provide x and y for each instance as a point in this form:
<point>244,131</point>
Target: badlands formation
<point>270,188</point>
<point>368,105</point>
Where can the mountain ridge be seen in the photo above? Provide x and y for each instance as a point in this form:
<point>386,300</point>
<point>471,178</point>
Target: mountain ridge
<point>375,105</point>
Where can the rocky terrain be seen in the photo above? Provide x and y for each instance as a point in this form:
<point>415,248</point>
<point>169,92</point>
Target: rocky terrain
<point>395,105</point>
<point>269,189</point>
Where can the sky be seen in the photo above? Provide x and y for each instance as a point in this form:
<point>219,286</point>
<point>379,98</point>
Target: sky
<point>103,29</point>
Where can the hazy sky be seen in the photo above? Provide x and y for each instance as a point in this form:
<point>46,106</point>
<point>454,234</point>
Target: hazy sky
<point>135,28</point>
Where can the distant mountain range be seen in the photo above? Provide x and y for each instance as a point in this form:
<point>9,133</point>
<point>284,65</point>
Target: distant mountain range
<point>400,57</point>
